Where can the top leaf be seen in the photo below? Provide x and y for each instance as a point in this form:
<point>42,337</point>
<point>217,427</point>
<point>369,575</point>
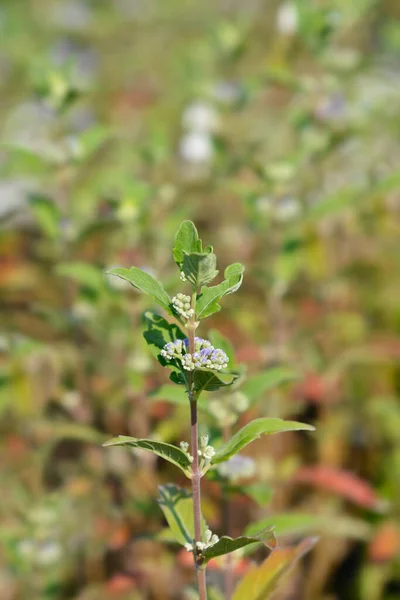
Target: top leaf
<point>145,283</point>
<point>186,241</point>
<point>199,268</point>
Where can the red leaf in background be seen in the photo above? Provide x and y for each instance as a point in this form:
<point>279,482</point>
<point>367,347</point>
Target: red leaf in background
<point>313,389</point>
<point>239,565</point>
<point>120,584</point>
<point>341,482</point>
<point>386,543</point>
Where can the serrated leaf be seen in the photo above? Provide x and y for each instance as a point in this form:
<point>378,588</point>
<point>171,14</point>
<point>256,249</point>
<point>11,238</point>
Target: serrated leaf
<point>199,268</point>
<point>252,431</point>
<point>144,283</point>
<point>168,452</point>
<point>209,297</point>
<point>186,241</point>
<point>209,381</point>
<point>256,385</point>
<point>226,544</point>
<point>260,582</point>
<point>177,506</point>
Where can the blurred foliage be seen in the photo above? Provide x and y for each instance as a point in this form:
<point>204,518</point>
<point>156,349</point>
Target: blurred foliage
<point>275,127</point>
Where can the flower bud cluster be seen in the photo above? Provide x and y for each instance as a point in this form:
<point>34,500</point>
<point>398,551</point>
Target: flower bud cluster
<point>205,452</point>
<point>185,448</point>
<point>210,539</point>
<point>205,355</point>
<point>181,305</point>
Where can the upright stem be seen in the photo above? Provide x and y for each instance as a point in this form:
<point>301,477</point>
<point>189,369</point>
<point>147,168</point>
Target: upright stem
<point>196,474</point>
<point>196,477</point>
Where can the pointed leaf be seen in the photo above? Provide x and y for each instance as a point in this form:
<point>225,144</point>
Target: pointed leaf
<point>145,283</point>
<point>253,430</point>
<point>298,523</point>
<point>209,381</point>
<point>47,214</point>
<point>260,582</point>
<point>208,300</point>
<point>169,452</point>
<point>177,506</point>
<point>85,274</point>
<point>226,544</point>
<point>256,385</point>
<point>186,241</point>
<point>199,268</point>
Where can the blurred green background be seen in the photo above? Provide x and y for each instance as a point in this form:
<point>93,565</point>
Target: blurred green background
<point>275,126</point>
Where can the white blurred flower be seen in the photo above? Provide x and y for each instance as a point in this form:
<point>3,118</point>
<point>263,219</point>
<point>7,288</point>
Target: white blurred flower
<point>48,553</point>
<point>237,467</point>
<point>200,116</point>
<point>287,209</point>
<point>287,18</point>
<point>196,147</point>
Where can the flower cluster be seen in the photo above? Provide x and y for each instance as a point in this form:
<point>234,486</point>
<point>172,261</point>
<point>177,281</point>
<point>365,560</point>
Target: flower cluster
<point>205,356</point>
<point>181,305</point>
<point>209,540</point>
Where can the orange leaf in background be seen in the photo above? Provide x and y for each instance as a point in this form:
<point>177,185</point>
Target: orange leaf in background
<point>261,581</point>
<point>119,537</point>
<point>341,482</point>
<point>120,584</point>
<point>386,543</point>
<point>312,389</point>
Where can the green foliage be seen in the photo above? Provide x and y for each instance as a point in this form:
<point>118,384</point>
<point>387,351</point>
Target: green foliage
<point>186,242</point>
<point>226,544</point>
<point>159,332</point>
<point>145,283</point>
<point>199,268</point>
<point>168,452</point>
<point>208,300</point>
<point>177,506</point>
<point>207,381</point>
<point>261,582</point>
<point>252,431</point>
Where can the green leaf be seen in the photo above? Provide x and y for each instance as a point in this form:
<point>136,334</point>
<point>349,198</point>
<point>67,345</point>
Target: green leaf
<point>199,268</point>
<point>226,544</point>
<point>83,273</point>
<point>220,341</point>
<point>297,523</point>
<point>256,385</point>
<point>178,396</point>
<point>177,506</point>
<point>209,381</point>
<point>252,431</point>
<point>169,452</point>
<point>145,283</point>
<point>47,215</point>
<point>260,493</point>
<point>186,241</point>
<point>261,582</point>
<point>159,332</point>
<point>209,297</point>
